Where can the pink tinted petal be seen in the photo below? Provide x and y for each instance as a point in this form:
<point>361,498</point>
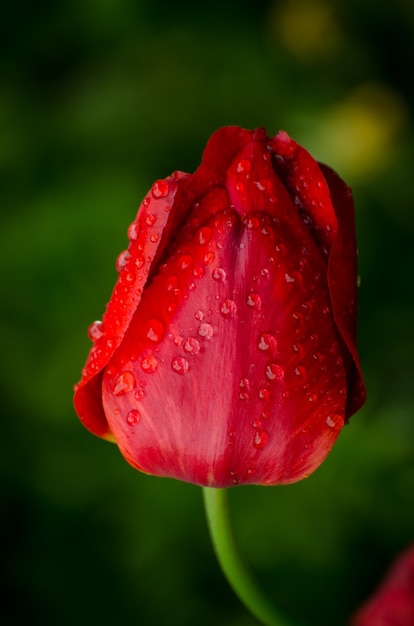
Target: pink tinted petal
<point>149,234</point>
<point>229,390</point>
<point>393,603</point>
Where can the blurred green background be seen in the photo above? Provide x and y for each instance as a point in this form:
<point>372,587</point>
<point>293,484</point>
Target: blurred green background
<point>98,98</point>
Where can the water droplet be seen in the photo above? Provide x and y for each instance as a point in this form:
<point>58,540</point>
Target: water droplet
<point>204,235</point>
<point>243,395</point>
<point>132,231</point>
<point>239,187</point>
<point>331,421</point>
<point>219,274</point>
<point>150,219</point>
<point>254,301</point>
<point>171,283</point>
<point>263,393</point>
<point>155,331</point>
<point>244,383</point>
<point>265,273</point>
<point>228,308</point>
<point>209,257</point>
<point>154,237</point>
<point>299,371</point>
<point>179,365</point>
<point>243,166</point>
<point>96,330</point>
<point>149,364</point>
<point>253,223</point>
<point>133,417</point>
<point>139,394</point>
<point>139,261</point>
<point>184,262</point>
<point>312,397</point>
<point>259,184</point>
<point>130,277</point>
<point>124,383</point>
<point>122,260</point>
<point>160,189</point>
<point>192,346</point>
<point>274,372</point>
<point>199,315</point>
<point>267,343</point>
<point>260,439</point>
<point>205,330</point>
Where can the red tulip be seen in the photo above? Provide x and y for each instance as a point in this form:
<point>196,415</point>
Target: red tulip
<point>227,353</point>
<point>393,602</point>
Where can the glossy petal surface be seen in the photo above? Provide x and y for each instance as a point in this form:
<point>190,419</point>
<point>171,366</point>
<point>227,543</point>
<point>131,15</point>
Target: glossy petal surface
<point>235,362</point>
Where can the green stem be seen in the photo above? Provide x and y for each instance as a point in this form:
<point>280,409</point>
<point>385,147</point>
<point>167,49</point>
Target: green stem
<point>217,511</point>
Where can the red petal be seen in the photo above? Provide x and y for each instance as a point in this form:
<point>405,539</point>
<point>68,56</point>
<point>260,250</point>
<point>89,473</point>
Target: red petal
<point>232,390</point>
<point>342,271</point>
<point>149,234</point>
<point>393,603</point>
<point>328,209</point>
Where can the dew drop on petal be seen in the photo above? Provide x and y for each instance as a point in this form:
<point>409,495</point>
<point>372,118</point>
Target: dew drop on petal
<point>331,421</point>
<point>124,383</point>
<point>132,231</point>
<point>185,261</point>
<point>260,439</point>
<point>139,261</point>
<point>204,235</point>
<point>191,346</point>
<point>133,417</point>
<point>155,331</point>
<point>209,257</point>
<point>160,189</point>
<point>199,315</point>
<point>243,166</point>
<point>139,394</point>
<point>219,274</point>
<point>122,260</point>
<point>228,308</point>
<point>179,365</point>
<point>150,219</point>
<point>267,342</point>
<point>244,383</point>
<point>205,330</point>
<point>149,364</point>
<point>263,393</point>
<point>299,371</point>
<point>254,301</point>
<point>154,238</point>
<point>274,372</point>
<point>96,330</point>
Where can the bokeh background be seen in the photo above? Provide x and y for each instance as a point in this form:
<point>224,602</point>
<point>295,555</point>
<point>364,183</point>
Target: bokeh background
<point>98,98</point>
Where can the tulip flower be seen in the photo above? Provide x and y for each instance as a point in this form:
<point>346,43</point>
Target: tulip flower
<point>227,353</point>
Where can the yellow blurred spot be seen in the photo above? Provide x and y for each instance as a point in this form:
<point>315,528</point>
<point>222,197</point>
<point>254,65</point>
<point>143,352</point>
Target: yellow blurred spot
<point>306,28</point>
<point>359,136</point>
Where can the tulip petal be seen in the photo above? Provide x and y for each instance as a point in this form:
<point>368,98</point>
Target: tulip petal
<point>393,603</point>
<point>149,234</point>
<point>224,387</point>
